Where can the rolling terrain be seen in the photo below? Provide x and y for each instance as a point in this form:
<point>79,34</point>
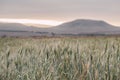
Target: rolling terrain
<point>79,26</point>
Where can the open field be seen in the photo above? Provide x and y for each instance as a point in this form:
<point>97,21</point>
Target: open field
<point>93,58</point>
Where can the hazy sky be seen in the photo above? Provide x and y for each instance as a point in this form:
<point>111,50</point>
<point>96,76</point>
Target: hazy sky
<point>62,10</point>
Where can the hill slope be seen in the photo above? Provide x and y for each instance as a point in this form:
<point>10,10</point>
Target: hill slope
<point>16,27</point>
<point>85,26</point>
<point>79,26</point>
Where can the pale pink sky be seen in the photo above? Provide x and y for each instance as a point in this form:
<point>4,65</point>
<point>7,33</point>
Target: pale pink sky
<point>61,10</point>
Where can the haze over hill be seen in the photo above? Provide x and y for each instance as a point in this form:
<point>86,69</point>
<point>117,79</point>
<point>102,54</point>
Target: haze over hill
<point>79,26</point>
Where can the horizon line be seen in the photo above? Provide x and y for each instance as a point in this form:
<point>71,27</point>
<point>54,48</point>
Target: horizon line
<point>49,23</point>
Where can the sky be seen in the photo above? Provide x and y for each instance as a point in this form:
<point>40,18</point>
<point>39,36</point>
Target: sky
<point>61,10</point>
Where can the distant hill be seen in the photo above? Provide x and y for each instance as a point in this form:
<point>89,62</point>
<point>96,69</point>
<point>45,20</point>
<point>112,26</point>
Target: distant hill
<point>79,26</point>
<point>20,30</point>
<point>16,27</point>
<point>85,26</point>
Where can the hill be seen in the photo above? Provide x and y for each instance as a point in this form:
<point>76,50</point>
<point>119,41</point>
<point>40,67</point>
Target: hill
<point>75,27</point>
<point>85,26</point>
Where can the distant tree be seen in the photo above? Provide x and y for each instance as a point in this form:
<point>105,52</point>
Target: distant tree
<point>53,34</point>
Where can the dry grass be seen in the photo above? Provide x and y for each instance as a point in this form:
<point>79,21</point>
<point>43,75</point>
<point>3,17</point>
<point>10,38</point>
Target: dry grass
<point>60,59</point>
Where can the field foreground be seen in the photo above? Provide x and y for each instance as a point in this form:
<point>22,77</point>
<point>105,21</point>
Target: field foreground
<point>95,58</point>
